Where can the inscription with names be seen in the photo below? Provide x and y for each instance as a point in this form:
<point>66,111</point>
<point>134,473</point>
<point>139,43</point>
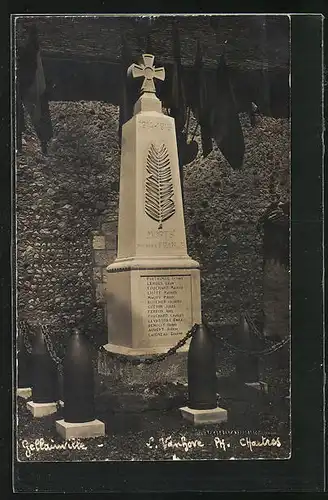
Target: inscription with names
<point>167,304</point>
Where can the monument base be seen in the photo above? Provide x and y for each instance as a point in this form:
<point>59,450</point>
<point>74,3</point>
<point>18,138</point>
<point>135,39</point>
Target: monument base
<point>173,369</point>
<point>24,392</point>
<point>151,304</point>
<point>199,417</point>
<point>141,353</point>
<point>41,409</point>
<point>69,430</point>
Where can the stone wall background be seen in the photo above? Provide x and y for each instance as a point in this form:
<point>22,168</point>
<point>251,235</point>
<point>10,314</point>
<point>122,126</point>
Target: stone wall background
<point>67,209</point>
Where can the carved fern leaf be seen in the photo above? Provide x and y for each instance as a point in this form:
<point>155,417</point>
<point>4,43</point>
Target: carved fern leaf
<point>159,205</point>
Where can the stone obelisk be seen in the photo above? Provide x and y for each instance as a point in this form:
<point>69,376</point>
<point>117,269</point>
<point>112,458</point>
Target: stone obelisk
<point>153,286</point>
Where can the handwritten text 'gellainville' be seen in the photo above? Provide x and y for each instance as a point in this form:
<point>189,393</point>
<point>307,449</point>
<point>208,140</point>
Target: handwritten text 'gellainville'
<point>41,445</point>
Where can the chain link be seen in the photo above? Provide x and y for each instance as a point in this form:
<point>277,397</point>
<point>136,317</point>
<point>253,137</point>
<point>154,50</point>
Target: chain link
<point>23,330</point>
<point>250,352</point>
<point>266,341</point>
<point>266,351</point>
<point>254,328</point>
<point>156,357</point>
<point>50,347</point>
<point>120,357</point>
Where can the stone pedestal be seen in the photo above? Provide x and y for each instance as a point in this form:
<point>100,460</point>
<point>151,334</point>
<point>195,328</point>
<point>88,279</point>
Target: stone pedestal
<point>24,392</point>
<point>153,287</point>
<point>172,369</point>
<point>68,430</point>
<point>41,409</point>
<point>201,417</point>
<point>150,309</point>
<point>259,386</point>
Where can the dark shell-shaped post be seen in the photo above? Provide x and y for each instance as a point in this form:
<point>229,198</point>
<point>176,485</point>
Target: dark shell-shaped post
<point>44,372</point>
<point>78,381</point>
<point>23,364</point>
<point>247,364</point>
<point>202,371</point>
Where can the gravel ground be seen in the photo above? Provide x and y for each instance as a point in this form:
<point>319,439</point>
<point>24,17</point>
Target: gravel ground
<point>61,200</point>
<point>144,423</point>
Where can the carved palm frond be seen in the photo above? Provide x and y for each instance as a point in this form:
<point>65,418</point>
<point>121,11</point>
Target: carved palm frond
<point>159,205</point>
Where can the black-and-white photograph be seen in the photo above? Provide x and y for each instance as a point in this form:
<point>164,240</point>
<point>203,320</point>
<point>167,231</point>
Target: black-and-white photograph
<point>152,218</point>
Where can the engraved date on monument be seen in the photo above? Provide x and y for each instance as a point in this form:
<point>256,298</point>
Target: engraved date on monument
<point>159,125</point>
<point>167,304</point>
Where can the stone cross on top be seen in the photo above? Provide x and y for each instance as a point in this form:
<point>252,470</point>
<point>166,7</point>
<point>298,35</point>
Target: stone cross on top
<point>148,71</point>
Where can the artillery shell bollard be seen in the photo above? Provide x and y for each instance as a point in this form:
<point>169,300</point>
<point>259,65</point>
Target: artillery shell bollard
<point>78,390</point>
<point>24,379</point>
<point>202,407</point>
<point>44,379</point>
<point>247,364</point>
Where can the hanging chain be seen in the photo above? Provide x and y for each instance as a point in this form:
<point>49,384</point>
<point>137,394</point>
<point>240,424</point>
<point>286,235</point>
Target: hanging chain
<point>23,330</point>
<point>269,349</point>
<point>50,347</point>
<point>264,352</point>
<point>156,357</point>
<point>254,328</point>
<point>120,357</point>
<point>250,352</point>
